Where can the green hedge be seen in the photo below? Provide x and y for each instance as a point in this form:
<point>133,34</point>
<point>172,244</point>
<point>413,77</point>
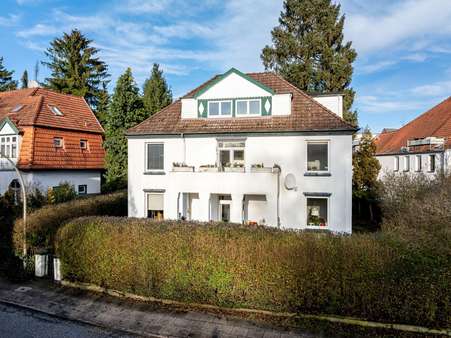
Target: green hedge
<point>373,276</point>
<point>43,223</point>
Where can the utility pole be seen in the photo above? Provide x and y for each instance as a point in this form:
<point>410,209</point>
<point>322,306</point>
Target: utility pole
<point>24,201</point>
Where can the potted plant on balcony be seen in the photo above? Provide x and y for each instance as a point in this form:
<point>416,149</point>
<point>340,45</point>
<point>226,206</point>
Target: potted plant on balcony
<point>182,166</point>
<point>260,168</point>
<point>212,168</point>
<point>234,167</point>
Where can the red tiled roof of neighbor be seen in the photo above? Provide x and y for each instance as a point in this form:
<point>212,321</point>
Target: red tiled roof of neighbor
<point>36,110</point>
<point>436,122</point>
<point>306,115</point>
<point>38,126</point>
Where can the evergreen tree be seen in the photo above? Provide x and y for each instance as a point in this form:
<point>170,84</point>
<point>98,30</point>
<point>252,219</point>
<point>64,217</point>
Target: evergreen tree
<point>308,50</point>
<point>6,78</point>
<point>365,172</point>
<point>157,94</point>
<point>125,111</point>
<point>24,80</point>
<point>75,69</point>
<point>101,110</point>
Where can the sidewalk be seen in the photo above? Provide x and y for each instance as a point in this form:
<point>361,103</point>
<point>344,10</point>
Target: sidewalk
<point>141,319</point>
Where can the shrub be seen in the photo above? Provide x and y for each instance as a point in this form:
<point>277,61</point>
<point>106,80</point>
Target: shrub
<point>64,192</point>
<point>43,223</point>
<point>372,276</point>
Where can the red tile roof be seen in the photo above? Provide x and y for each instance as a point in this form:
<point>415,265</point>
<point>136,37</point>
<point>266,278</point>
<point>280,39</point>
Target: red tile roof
<point>38,126</point>
<point>306,115</point>
<point>36,110</point>
<point>436,122</point>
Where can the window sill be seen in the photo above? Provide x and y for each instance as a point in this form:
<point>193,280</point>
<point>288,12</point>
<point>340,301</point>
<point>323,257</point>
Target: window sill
<point>319,174</point>
<point>154,173</point>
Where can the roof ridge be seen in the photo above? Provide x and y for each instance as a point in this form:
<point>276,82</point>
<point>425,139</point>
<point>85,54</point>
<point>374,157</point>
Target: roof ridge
<point>38,107</point>
<point>314,101</point>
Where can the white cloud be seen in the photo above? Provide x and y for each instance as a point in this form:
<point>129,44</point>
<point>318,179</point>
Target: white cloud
<point>39,30</point>
<point>375,67</point>
<point>145,6</point>
<point>185,29</point>
<point>9,20</point>
<point>441,88</point>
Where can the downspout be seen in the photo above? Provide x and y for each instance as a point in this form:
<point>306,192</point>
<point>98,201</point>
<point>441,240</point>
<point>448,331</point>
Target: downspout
<point>279,170</point>
<point>182,135</point>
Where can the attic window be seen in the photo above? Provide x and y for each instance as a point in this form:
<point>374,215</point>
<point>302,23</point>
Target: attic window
<point>17,108</point>
<point>58,142</point>
<point>55,110</point>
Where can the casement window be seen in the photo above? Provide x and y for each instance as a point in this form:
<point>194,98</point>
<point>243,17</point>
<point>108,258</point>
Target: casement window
<point>155,206</point>
<point>396,163</point>
<point>431,163</point>
<point>317,211</point>
<point>406,160</point>
<point>418,164</point>
<point>219,108</point>
<point>154,156</point>
<point>84,144</point>
<point>82,189</point>
<point>58,142</point>
<point>248,107</point>
<point>318,156</point>
<point>8,146</point>
<point>231,153</point>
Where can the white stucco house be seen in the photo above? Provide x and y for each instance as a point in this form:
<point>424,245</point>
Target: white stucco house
<point>244,148</point>
<point>51,138</point>
<point>421,146</point>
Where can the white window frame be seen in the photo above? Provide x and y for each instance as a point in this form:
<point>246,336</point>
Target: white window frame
<point>220,108</point>
<point>418,163</point>
<point>61,143</point>
<point>231,151</point>
<point>248,107</point>
<point>7,144</point>
<point>396,163</point>
<point>146,201</point>
<point>307,142</point>
<point>306,212</point>
<point>146,163</point>
<point>85,192</point>
<point>406,163</point>
<point>86,147</point>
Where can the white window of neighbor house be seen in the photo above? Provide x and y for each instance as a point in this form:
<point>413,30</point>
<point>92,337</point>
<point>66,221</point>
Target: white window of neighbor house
<point>318,156</point>
<point>155,206</point>
<point>155,156</point>
<point>396,163</point>
<point>58,142</point>
<point>418,163</point>
<point>431,163</point>
<point>82,189</point>
<point>8,146</point>
<point>406,160</point>
<point>317,211</point>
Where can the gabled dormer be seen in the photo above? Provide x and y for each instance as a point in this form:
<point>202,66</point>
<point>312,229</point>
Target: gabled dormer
<point>235,95</point>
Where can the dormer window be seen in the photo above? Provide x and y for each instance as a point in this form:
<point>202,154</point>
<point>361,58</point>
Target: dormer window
<point>84,144</point>
<point>219,108</point>
<point>58,142</point>
<point>248,107</point>
<point>17,108</point>
<point>55,110</point>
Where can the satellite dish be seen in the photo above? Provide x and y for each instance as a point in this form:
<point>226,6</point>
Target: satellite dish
<point>290,182</point>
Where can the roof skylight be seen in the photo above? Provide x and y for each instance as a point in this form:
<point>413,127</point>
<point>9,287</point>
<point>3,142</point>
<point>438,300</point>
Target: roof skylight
<point>55,110</point>
<point>17,108</point>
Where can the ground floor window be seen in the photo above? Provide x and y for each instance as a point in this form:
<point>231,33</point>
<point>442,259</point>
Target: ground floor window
<point>317,211</point>
<point>431,163</point>
<point>155,206</point>
<point>82,189</point>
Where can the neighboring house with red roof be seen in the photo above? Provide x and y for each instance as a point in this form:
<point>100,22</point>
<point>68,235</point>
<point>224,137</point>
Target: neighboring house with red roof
<point>421,146</point>
<point>52,138</point>
<point>245,148</point>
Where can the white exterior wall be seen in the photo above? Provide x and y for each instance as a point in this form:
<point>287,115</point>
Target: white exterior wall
<point>287,151</point>
<point>333,102</point>
<point>45,179</point>
<point>442,163</point>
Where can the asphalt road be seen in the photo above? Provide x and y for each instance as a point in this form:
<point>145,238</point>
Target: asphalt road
<point>18,322</point>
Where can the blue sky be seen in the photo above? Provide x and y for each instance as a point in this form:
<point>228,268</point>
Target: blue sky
<point>404,46</point>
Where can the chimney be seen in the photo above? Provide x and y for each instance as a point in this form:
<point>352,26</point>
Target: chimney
<point>332,101</point>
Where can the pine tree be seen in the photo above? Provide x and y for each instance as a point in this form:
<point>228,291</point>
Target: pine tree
<point>75,69</point>
<point>101,109</point>
<point>6,78</point>
<point>125,111</point>
<point>308,50</point>
<point>365,172</point>
<point>24,80</point>
<point>157,94</point>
